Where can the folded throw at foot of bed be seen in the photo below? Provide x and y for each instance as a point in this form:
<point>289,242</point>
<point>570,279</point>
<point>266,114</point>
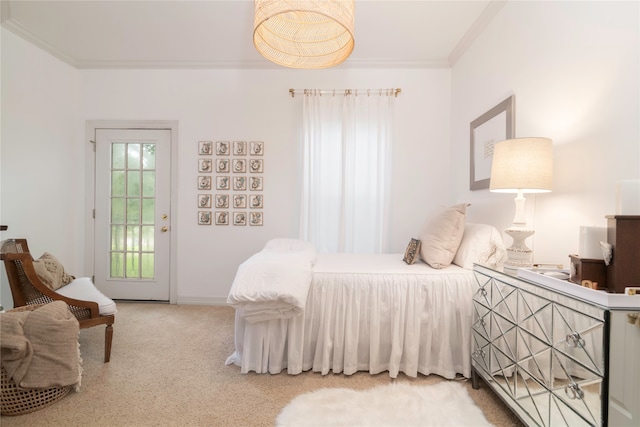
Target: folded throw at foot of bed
<point>274,283</point>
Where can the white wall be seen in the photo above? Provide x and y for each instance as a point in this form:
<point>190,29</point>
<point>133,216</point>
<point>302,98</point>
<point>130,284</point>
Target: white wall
<point>255,105</point>
<point>574,70</point>
<point>42,154</point>
<point>48,104</point>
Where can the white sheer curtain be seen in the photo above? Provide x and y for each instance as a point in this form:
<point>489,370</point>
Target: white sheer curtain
<point>346,170</point>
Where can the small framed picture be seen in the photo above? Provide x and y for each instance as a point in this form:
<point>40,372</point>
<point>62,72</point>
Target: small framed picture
<point>255,166</point>
<point>222,165</point>
<point>204,165</point>
<point>256,148</point>
<point>204,217</point>
<point>204,200</point>
<point>222,201</point>
<point>239,201</point>
<point>239,183</point>
<point>239,148</point>
<point>204,183</point>
<point>239,218</point>
<point>255,201</point>
<point>255,218</point>
<point>205,148</point>
<point>239,165</point>
<point>222,148</point>
<point>255,183</point>
<point>223,183</point>
<point>222,218</point>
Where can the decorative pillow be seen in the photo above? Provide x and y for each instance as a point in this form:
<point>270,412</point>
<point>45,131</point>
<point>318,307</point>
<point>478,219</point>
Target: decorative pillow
<point>441,236</point>
<point>413,252</point>
<point>481,244</point>
<point>43,274</point>
<point>51,272</point>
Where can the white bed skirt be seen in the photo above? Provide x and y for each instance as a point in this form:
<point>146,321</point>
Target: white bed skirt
<point>368,313</point>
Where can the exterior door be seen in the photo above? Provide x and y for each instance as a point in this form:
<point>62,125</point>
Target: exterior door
<point>132,213</point>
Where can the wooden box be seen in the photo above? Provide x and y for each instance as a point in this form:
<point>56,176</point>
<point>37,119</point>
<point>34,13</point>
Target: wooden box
<point>594,270</point>
<point>623,233</point>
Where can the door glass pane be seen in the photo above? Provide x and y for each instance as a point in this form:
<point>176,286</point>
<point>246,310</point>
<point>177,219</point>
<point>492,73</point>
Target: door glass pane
<point>148,156</point>
<point>147,239</point>
<point>117,210</point>
<point>133,239</point>
<point>147,266</point>
<point>133,183</point>
<point>149,183</point>
<point>117,238</point>
<point>133,159</point>
<point>117,183</point>
<point>117,155</point>
<point>148,210</point>
<point>133,187</point>
<point>133,211</point>
<point>117,264</point>
<point>133,265</point>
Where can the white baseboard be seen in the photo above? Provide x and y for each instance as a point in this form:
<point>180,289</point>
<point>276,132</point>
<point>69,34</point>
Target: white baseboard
<point>201,301</point>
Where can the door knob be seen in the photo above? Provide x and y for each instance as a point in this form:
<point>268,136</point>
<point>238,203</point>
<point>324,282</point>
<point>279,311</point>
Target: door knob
<point>164,229</point>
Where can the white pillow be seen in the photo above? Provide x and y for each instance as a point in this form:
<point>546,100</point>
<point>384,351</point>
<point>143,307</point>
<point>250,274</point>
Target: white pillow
<point>481,244</point>
<point>282,245</point>
<point>441,236</point>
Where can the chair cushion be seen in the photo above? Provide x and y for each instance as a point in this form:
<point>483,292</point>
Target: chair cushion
<point>83,288</point>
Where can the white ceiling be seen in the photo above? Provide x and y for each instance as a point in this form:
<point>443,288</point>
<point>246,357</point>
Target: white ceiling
<point>218,33</point>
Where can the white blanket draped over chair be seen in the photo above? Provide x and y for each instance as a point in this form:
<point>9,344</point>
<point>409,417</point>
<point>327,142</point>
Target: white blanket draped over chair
<point>367,313</point>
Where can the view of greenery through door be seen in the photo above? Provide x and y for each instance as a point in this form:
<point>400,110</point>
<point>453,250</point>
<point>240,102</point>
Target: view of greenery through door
<point>133,188</point>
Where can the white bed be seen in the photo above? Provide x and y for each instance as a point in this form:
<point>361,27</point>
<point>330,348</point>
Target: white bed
<point>370,313</point>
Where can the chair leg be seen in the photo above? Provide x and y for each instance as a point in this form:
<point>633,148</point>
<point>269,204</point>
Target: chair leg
<point>108,337</point>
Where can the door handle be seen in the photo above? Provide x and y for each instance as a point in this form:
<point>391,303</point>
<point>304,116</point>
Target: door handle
<point>164,229</point>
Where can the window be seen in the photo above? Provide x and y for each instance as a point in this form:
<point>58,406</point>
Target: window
<point>347,160</point>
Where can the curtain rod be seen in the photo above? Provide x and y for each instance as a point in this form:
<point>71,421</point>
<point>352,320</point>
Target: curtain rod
<point>396,92</point>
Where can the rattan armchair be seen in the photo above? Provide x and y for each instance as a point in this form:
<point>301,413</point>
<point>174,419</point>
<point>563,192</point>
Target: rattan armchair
<point>28,289</point>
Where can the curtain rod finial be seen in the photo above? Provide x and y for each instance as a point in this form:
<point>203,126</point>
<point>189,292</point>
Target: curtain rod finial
<point>292,92</point>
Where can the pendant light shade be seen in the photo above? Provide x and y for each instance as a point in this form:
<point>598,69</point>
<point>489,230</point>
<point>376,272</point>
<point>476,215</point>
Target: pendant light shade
<point>304,34</point>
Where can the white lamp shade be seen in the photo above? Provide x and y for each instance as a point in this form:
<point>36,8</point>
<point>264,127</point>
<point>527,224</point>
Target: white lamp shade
<point>303,33</point>
<point>522,164</point>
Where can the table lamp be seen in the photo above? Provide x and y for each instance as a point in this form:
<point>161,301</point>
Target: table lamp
<point>521,165</point>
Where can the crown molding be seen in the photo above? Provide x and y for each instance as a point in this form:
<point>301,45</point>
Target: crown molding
<point>352,63</point>
<point>476,29</point>
<point>253,64</point>
<point>24,33</point>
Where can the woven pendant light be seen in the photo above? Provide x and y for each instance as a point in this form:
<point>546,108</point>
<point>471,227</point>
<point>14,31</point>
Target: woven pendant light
<point>304,34</point>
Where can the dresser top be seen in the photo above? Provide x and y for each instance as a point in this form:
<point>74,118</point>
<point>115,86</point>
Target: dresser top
<point>537,277</point>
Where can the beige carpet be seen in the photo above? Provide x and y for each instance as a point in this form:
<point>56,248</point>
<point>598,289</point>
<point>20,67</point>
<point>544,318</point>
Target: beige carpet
<point>167,369</point>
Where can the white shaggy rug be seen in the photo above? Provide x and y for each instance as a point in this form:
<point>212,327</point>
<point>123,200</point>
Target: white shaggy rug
<point>396,404</point>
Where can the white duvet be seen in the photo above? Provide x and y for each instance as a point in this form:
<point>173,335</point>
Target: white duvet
<point>274,283</point>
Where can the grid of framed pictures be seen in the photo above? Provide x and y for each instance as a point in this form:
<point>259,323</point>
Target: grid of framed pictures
<point>230,183</point>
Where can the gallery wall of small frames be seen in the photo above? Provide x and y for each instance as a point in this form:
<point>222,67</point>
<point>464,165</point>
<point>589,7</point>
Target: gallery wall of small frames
<point>230,183</point>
